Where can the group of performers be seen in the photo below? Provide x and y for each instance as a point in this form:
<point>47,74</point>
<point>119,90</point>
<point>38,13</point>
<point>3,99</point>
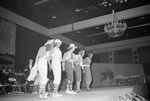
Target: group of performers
<point>51,54</point>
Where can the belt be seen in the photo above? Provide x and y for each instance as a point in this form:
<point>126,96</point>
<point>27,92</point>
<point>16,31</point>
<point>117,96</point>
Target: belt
<point>69,61</point>
<point>87,65</point>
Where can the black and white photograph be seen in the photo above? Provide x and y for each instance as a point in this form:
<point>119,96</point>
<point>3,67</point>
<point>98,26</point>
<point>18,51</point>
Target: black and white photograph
<point>74,50</point>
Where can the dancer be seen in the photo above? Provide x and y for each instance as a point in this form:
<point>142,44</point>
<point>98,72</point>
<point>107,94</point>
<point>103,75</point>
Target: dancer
<point>56,66</point>
<point>87,62</point>
<point>41,60</point>
<point>78,66</point>
<point>68,66</point>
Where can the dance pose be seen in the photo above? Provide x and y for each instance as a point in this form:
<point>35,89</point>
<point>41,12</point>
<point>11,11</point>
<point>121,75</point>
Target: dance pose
<point>78,66</point>
<point>43,56</point>
<point>56,66</point>
<point>68,66</point>
<point>87,71</point>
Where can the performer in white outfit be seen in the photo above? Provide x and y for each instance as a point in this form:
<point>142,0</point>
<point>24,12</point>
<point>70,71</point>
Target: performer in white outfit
<point>43,56</point>
<point>56,66</point>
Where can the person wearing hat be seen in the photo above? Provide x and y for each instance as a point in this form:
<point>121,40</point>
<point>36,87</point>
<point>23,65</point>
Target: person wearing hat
<point>78,66</point>
<point>41,61</point>
<point>56,59</point>
<point>87,71</point>
<point>68,66</point>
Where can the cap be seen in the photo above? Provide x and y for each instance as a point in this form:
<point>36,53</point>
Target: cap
<point>57,41</point>
<point>71,46</point>
<point>49,42</point>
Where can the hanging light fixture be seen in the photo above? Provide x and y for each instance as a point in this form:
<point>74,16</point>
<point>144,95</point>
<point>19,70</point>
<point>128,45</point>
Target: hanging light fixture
<point>115,28</point>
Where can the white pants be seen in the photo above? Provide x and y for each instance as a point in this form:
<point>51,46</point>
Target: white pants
<point>56,65</point>
<point>32,74</point>
<point>42,68</point>
<point>37,79</point>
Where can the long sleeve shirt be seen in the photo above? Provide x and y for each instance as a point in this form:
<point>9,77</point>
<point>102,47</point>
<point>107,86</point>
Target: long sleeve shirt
<point>87,61</point>
<point>68,56</point>
<point>79,60</point>
<point>56,55</point>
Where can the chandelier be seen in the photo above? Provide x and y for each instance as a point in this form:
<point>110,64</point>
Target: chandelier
<point>115,28</point>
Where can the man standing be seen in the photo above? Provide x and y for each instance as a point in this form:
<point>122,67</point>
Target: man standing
<point>42,58</point>
<point>68,66</point>
<point>56,57</point>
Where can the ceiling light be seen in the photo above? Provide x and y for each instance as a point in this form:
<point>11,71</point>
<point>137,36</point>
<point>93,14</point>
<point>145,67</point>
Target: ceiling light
<point>40,2</point>
<point>121,1</point>
<point>118,1</point>
<point>115,28</point>
<point>53,17</point>
<point>104,3</point>
<point>109,4</point>
<point>77,10</point>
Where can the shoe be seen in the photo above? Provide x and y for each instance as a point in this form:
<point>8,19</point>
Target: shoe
<point>88,89</point>
<point>78,91</point>
<point>34,92</point>
<point>56,95</point>
<point>41,96</point>
<point>70,92</point>
<point>45,96</point>
<point>73,92</point>
<point>46,93</point>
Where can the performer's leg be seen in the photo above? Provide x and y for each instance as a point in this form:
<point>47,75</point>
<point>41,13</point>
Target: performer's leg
<point>88,78</point>
<point>69,88</point>
<point>41,90</point>
<point>69,85</point>
<point>69,73</point>
<point>56,94</point>
<point>57,78</point>
<point>42,67</point>
<point>34,89</point>
<point>87,86</point>
<point>36,83</point>
<point>78,78</point>
<point>78,86</point>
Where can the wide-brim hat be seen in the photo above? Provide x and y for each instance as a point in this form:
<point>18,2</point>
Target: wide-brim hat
<point>71,46</point>
<point>49,42</point>
<point>57,41</point>
<point>90,54</point>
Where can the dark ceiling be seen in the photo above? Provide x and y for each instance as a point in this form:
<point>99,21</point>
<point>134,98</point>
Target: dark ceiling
<point>54,13</point>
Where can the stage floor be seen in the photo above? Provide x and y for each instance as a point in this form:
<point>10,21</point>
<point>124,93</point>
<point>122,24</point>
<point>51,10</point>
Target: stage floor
<point>96,94</point>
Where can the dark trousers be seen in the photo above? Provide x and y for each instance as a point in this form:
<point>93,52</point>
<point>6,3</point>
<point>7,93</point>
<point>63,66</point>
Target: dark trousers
<point>78,73</point>
<point>69,71</point>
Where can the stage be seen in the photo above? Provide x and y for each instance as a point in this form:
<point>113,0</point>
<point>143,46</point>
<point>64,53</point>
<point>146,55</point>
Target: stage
<point>96,94</point>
